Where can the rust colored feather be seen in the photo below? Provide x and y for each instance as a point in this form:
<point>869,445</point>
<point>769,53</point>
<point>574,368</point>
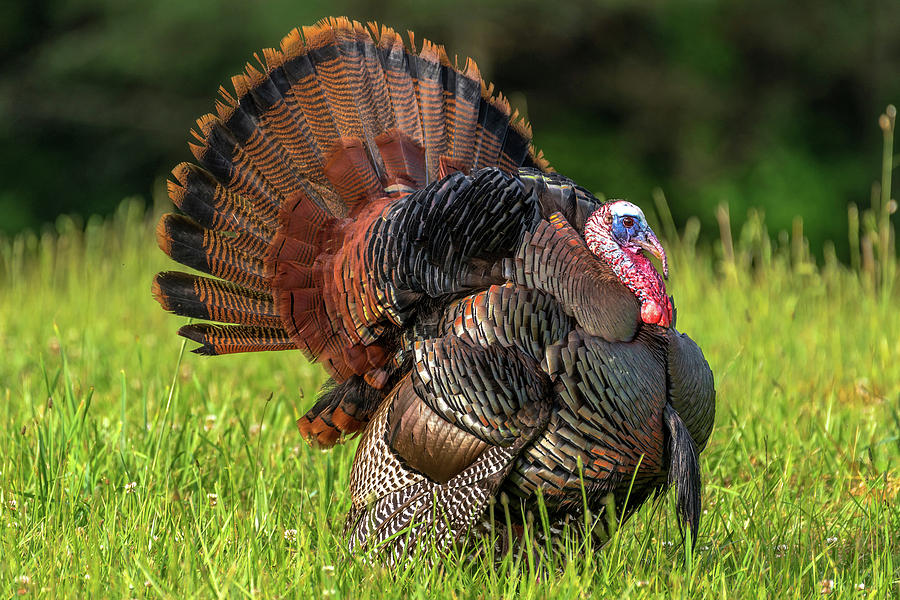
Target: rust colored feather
<point>352,174</point>
<point>342,411</point>
<point>403,158</point>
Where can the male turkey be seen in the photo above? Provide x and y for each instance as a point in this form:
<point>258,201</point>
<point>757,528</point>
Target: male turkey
<point>490,327</point>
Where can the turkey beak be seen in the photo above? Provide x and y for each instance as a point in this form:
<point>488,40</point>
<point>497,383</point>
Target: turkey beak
<point>649,243</point>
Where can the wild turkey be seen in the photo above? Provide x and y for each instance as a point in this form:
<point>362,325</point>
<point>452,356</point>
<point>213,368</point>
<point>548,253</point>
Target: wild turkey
<point>491,328</point>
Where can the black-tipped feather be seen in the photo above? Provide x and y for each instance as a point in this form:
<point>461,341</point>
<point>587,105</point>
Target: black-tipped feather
<point>214,300</point>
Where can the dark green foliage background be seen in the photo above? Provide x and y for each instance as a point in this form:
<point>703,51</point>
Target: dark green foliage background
<point>745,102</point>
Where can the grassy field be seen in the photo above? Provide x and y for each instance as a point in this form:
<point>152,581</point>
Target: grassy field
<point>129,468</point>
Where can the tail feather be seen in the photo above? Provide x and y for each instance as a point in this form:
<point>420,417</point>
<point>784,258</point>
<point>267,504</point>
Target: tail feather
<point>342,410</point>
<point>516,144</point>
<point>214,300</point>
<point>289,122</point>
<point>231,164</point>
<point>378,97</point>
<point>353,91</point>
<point>465,97</point>
<point>216,340</point>
<point>430,95</point>
<point>306,95</point>
<point>253,130</point>
<point>493,121</point>
<point>395,61</point>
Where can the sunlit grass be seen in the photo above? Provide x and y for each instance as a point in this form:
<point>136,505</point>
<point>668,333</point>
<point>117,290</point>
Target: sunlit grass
<point>114,483</point>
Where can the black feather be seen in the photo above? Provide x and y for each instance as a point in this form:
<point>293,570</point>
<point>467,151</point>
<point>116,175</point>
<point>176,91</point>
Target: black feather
<point>684,471</point>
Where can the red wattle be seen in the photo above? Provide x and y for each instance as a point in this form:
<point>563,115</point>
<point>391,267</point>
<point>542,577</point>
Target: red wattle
<point>651,312</point>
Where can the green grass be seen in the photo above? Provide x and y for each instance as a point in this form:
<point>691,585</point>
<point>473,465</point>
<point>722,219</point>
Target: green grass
<point>129,469</point>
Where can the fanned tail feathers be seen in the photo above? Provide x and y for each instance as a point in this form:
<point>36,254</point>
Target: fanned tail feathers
<point>338,117</point>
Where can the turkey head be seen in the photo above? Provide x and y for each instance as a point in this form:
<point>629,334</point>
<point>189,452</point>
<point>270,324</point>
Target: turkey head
<point>618,234</point>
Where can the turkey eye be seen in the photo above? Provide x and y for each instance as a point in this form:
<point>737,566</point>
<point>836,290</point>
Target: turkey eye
<point>628,222</point>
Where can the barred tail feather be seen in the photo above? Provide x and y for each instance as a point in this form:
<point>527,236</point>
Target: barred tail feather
<point>216,207</point>
<point>216,340</point>
<point>465,99</point>
<point>214,300</point>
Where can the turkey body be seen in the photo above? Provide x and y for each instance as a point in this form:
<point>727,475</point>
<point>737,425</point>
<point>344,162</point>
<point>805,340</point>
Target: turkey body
<point>504,391</point>
<point>378,209</point>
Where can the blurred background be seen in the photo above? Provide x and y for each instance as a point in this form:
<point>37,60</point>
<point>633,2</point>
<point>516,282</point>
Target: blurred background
<point>755,103</point>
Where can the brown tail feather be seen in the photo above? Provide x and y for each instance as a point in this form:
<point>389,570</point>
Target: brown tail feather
<point>395,61</point>
<point>430,94</point>
<point>223,155</point>
<point>491,129</point>
<point>226,339</point>
<point>466,95</point>
<point>214,300</point>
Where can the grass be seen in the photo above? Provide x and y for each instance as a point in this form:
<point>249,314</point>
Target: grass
<point>129,468</point>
